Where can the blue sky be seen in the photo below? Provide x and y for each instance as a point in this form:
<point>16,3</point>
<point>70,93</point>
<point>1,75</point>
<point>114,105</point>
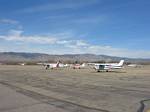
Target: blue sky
<point>110,27</point>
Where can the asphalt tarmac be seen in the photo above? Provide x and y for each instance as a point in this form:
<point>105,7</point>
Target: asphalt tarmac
<point>32,88</point>
<point>13,101</point>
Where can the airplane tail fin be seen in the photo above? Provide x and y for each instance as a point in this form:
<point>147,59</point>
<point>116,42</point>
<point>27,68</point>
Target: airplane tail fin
<point>121,63</point>
<point>83,65</point>
<point>57,65</point>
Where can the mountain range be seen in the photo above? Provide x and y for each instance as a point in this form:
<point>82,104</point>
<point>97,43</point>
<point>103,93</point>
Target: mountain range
<point>41,57</point>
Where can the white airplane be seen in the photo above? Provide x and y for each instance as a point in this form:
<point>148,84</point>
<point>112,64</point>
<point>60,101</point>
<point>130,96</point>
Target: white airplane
<point>109,66</point>
<point>132,65</point>
<point>52,65</point>
<point>135,65</point>
<point>78,66</point>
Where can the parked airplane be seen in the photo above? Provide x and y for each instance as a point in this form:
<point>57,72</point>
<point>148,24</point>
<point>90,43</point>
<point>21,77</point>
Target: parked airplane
<point>52,65</point>
<point>109,66</point>
<point>78,66</point>
<point>135,65</point>
<point>132,65</point>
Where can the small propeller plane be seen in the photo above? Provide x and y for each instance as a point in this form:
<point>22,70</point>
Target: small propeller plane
<point>109,66</point>
<point>52,65</point>
<point>78,66</point>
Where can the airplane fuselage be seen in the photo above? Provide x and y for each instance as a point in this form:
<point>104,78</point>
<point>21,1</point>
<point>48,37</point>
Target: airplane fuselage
<point>107,67</point>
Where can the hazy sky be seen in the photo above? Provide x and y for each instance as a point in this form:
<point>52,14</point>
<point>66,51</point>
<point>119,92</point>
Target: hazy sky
<point>111,27</point>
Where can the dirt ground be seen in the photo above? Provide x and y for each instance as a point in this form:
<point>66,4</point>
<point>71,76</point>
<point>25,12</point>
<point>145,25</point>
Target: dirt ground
<point>82,90</point>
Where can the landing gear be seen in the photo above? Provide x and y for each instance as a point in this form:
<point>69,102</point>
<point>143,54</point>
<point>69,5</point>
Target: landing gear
<point>47,66</point>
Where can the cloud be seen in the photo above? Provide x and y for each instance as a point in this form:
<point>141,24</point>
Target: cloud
<point>73,44</point>
<point>11,22</point>
<point>8,21</point>
<point>90,19</point>
<point>82,19</point>
<point>59,38</point>
<point>58,45</point>
<point>81,43</point>
<point>16,35</point>
<point>64,4</point>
